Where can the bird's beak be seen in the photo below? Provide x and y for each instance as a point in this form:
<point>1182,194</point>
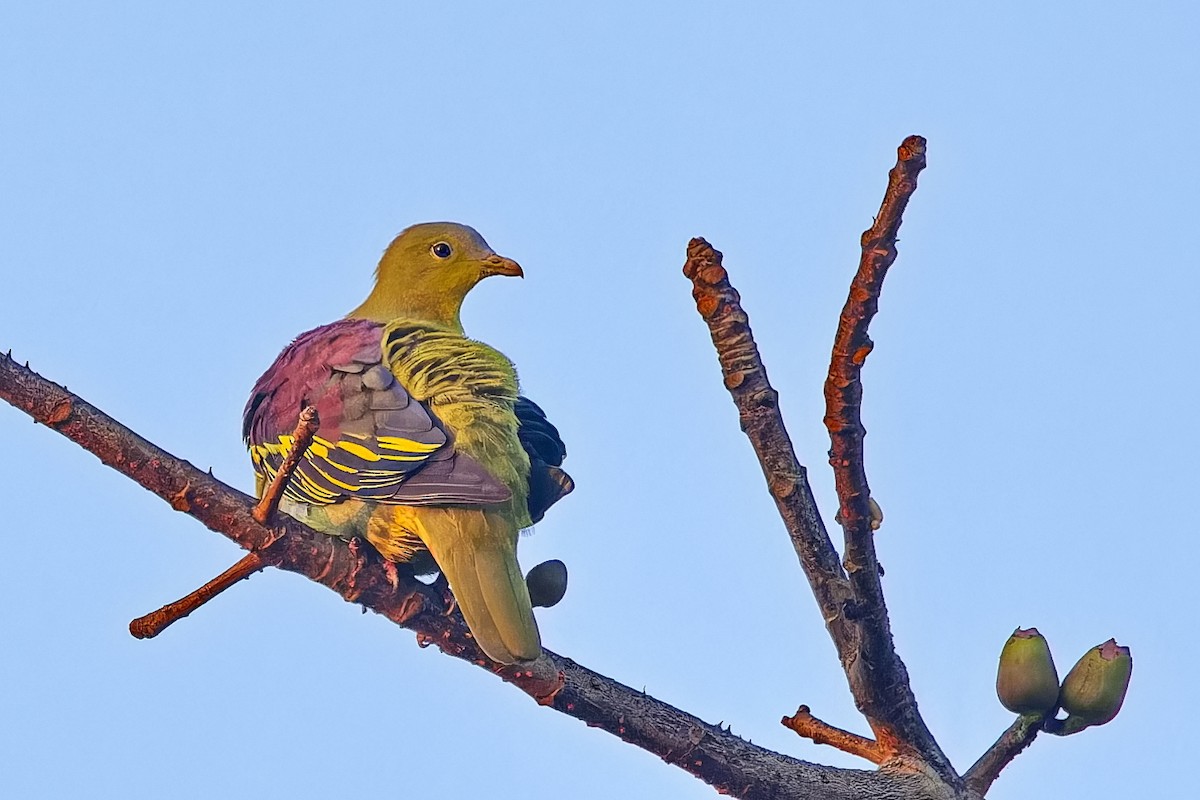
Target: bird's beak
<point>499,265</point>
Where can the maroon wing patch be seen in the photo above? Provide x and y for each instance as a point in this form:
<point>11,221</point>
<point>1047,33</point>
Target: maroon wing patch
<point>374,442</point>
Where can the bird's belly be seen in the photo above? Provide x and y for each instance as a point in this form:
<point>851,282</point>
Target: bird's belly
<point>384,526</point>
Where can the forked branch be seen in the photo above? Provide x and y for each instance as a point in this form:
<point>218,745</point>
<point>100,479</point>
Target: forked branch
<point>850,599</point>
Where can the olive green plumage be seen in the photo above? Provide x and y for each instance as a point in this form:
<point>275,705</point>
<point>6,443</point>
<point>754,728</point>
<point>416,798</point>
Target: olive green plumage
<point>472,389</point>
<point>421,447</point>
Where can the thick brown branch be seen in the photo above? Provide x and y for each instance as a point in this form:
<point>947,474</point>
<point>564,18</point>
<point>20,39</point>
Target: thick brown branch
<point>1019,735</point>
<point>716,756</point>
<point>808,726</point>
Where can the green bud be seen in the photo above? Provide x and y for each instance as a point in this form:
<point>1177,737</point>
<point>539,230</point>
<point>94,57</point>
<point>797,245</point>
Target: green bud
<point>1027,682</point>
<point>547,583</point>
<point>1094,689</point>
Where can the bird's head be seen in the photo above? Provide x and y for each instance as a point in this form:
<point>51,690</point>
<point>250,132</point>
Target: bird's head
<point>427,271</point>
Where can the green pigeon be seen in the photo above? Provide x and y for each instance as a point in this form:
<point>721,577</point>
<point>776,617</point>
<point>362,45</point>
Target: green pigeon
<point>425,447</point>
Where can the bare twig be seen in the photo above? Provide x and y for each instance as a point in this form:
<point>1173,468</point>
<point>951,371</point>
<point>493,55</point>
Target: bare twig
<point>714,755</point>
<point>1019,735</point>
<point>758,408</point>
<point>302,436</point>
<point>808,726</point>
<point>843,387</point>
<point>892,709</point>
<point>156,622</point>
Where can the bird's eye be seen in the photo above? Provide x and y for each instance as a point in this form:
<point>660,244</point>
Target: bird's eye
<point>441,250</point>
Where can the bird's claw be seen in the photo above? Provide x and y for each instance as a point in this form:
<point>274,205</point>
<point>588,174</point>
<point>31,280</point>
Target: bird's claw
<point>392,574</point>
<point>442,586</point>
<point>410,606</point>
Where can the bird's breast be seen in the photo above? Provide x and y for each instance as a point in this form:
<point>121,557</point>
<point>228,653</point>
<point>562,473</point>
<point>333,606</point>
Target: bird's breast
<point>470,387</point>
<point>439,366</point>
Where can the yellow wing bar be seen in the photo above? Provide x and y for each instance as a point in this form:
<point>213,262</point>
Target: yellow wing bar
<point>334,471</point>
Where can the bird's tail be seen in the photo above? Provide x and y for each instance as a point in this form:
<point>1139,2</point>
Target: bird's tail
<point>477,552</point>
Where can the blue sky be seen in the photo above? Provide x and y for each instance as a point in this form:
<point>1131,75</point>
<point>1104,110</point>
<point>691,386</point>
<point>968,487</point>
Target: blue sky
<point>187,188</point>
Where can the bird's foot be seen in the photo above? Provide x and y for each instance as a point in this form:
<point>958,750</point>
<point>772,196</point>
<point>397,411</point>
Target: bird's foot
<point>441,586</point>
<point>392,574</point>
<point>410,606</point>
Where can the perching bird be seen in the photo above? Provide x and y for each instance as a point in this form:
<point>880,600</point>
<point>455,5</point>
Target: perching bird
<point>424,446</point>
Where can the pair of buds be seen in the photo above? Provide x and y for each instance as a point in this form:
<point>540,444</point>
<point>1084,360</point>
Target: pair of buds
<point>1091,694</point>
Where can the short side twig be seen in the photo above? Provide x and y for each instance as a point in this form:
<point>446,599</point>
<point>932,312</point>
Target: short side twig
<point>302,437</point>
<point>808,726</point>
<point>1019,735</point>
<point>156,622</point>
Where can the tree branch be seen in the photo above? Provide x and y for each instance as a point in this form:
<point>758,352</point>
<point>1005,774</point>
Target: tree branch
<point>758,410</point>
<point>851,600</point>
<point>302,437</point>
<point>1019,735</point>
<point>157,621</point>
<point>808,726</point>
<point>727,762</point>
<point>891,707</point>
